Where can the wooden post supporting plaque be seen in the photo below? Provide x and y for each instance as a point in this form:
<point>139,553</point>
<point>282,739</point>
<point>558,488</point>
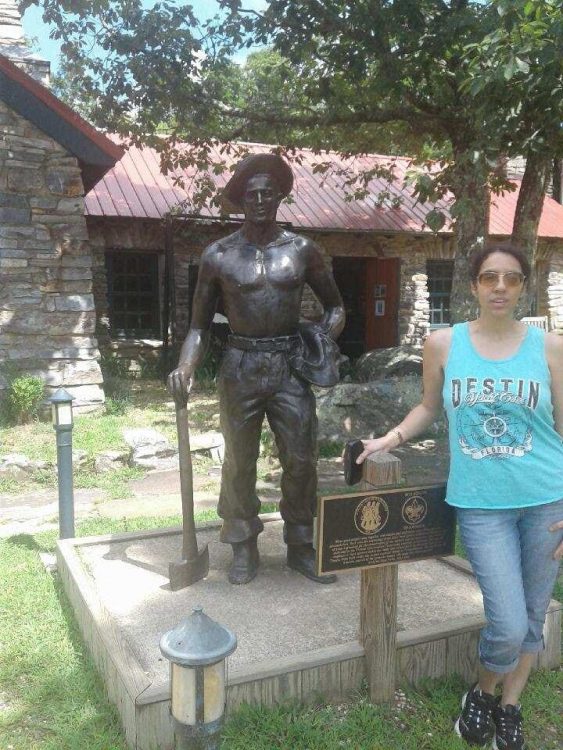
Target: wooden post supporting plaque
<point>378,596</point>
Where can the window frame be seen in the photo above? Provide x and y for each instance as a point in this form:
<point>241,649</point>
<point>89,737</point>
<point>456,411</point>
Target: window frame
<point>133,310</point>
<point>439,274</point>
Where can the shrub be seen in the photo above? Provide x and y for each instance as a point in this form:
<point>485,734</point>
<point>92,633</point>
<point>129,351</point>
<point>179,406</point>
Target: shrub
<point>268,447</point>
<point>150,369</point>
<point>118,395</point>
<point>330,449</point>
<point>113,366</point>
<point>206,373</point>
<point>117,383</point>
<point>116,406</point>
<point>23,399</point>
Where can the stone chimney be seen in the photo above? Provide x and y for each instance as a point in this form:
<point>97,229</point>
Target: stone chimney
<point>15,46</point>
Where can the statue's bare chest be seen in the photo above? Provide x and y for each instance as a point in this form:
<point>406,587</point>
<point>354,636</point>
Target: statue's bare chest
<point>252,268</point>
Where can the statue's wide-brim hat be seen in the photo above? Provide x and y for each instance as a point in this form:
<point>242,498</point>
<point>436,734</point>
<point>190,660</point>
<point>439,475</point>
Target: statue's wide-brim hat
<point>251,165</point>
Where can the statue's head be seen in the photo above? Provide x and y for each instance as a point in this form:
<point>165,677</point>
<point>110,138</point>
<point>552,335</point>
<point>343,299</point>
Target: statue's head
<point>258,185</point>
<point>261,199</point>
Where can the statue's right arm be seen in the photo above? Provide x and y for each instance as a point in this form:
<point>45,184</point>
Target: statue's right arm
<point>195,344</point>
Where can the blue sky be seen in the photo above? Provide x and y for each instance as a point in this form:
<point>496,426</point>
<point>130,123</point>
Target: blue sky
<point>49,49</point>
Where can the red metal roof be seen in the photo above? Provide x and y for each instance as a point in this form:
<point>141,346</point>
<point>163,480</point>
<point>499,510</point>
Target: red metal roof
<point>136,188</point>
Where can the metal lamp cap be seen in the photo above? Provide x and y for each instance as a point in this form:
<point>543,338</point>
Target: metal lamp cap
<point>61,396</point>
<point>198,641</point>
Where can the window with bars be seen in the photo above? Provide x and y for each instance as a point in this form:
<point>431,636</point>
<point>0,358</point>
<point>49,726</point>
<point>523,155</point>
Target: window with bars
<point>133,294</point>
<point>439,274</point>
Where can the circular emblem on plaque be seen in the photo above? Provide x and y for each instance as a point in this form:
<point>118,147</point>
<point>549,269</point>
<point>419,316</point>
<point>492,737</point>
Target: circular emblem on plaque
<point>371,515</point>
<point>414,510</point>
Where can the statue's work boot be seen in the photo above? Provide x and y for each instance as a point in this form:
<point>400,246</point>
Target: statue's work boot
<point>301,557</point>
<point>245,561</point>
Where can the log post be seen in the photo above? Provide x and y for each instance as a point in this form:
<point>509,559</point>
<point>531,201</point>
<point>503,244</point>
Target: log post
<point>378,596</point>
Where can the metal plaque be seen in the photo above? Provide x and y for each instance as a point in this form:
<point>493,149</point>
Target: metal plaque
<point>380,527</point>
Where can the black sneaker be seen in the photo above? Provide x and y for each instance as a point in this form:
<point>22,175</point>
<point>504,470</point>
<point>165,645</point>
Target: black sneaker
<point>508,728</point>
<point>475,723</point>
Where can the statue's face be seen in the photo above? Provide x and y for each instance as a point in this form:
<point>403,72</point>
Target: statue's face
<point>261,199</point>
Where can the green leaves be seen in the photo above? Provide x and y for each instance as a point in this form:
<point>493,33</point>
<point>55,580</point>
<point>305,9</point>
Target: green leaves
<point>435,220</point>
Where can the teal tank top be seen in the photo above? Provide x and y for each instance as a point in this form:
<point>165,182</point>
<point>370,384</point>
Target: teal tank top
<point>504,449</point>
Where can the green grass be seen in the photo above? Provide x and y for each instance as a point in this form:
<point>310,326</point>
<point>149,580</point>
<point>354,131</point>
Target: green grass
<point>424,722</point>
<point>95,433</point>
<point>51,696</point>
<point>52,699</point>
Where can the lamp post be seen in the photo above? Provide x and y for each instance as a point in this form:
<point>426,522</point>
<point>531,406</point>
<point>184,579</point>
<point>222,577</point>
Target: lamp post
<point>197,649</point>
<point>61,405</point>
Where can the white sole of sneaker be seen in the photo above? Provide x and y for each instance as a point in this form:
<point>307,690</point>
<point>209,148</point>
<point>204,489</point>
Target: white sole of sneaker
<point>457,730</point>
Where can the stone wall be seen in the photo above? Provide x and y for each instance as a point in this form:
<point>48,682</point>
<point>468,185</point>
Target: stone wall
<point>190,239</point>
<point>47,314</point>
<point>123,235</point>
<point>412,252</point>
<point>555,292</point>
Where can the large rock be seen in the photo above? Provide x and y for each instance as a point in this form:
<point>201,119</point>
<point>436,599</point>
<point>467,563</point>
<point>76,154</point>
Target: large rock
<point>212,443</point>
<point>352,410</point>
<point>150,449</point>
<point>79,458</point>
<point>395,361</point>
<point>18,466</point>
<point>110,460</point>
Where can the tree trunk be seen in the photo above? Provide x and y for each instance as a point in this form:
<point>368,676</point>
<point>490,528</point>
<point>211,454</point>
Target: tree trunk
<point>527,218</point>
<point>469,186</point>
<point>556,179</point>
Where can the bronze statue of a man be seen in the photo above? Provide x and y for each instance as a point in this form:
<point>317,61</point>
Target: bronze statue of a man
<point>260,272</point>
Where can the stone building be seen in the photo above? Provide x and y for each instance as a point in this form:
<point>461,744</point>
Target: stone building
<point>98,247</point>
<point>393,272</point>
<point>49,159</point>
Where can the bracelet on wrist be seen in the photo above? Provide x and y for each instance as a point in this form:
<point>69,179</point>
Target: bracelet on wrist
<point>396,431</point>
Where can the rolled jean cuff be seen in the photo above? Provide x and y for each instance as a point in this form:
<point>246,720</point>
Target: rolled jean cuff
<point>294,533</point>
<point>236,530</point>
<point>533,647</point>
<point>498,668</point>
<point>527,647</point>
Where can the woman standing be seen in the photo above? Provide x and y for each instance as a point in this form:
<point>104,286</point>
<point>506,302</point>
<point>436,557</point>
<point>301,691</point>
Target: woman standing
<point>501,383</point>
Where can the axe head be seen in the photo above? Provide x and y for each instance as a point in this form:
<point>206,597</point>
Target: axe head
<point>186,572</point>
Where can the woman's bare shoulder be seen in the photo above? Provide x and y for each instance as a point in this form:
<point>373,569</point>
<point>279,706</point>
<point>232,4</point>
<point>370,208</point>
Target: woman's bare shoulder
<point>437,345</point>
<point>439,340</point>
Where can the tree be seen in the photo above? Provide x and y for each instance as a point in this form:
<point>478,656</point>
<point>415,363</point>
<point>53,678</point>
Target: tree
<point>521,62</point>
<point>360,67</point>
<point>71,84</point>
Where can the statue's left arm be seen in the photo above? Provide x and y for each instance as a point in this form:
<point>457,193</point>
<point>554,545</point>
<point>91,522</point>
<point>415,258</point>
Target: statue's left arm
<point>321,281</point>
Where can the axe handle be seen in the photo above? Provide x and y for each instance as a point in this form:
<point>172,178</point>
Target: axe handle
<point>189,540</point>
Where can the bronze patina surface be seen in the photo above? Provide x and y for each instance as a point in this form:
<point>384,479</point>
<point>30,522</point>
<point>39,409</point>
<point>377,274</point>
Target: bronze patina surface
<point>260,273</point>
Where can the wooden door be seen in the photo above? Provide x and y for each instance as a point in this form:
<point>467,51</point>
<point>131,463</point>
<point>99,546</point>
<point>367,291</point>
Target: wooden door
<point>382,303</point>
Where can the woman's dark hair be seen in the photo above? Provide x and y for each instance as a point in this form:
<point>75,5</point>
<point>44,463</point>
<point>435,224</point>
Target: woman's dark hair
<point>480,257</point>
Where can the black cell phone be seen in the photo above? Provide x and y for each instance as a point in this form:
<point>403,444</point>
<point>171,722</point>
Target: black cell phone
<point>352,470</point>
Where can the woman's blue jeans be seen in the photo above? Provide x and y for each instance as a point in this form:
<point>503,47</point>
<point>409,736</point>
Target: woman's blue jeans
<point>511,552</point>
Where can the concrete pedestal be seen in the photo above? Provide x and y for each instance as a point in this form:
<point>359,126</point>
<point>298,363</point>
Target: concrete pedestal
<point>297,639</point>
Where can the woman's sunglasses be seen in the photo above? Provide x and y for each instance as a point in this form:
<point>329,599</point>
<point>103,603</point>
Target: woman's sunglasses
<point>511,279</point>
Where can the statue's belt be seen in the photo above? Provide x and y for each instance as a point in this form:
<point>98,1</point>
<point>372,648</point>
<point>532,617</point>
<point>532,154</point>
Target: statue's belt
<point>272,344</point>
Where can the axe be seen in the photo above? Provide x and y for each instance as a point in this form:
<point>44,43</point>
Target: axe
<point>194,564</point>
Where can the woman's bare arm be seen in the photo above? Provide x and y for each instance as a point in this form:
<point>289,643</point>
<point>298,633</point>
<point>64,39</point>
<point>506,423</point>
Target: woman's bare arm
<point>554,355</point>
<point>424,414</point>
